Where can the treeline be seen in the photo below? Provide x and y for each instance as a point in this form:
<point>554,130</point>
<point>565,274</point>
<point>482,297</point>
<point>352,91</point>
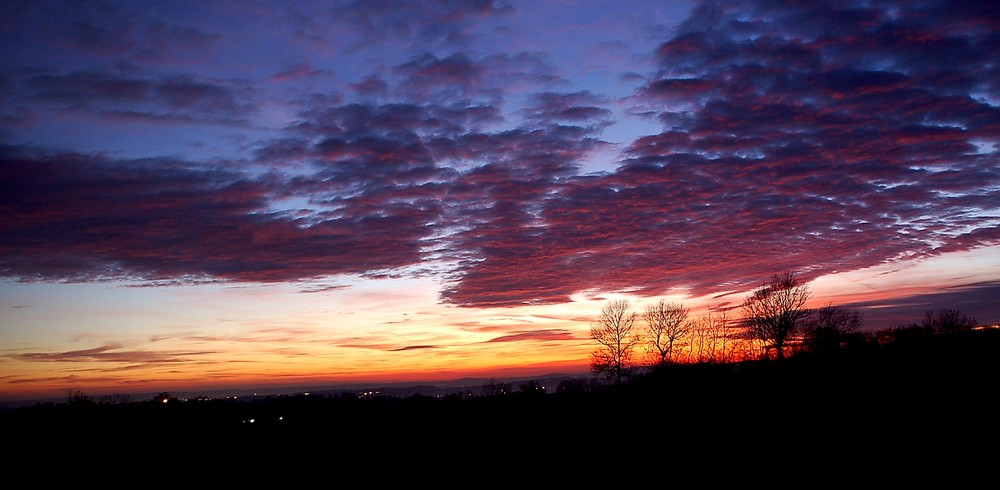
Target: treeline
<point>910,384</point>
<point>772,322</point>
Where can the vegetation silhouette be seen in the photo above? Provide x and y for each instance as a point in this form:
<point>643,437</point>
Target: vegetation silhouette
<point>617,336</point>
<point>776,310</point>
<point>907,385</point>
<point>666,324</point>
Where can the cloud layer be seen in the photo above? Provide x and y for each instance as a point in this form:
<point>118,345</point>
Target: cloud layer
<point>818,138</point>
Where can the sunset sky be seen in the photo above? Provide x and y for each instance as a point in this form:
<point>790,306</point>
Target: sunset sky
<point>243,194</point>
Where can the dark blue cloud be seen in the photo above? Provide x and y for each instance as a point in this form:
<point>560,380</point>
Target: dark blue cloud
<point>123,92</point>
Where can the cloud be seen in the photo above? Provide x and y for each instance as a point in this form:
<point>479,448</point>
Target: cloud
<point>464,77</point>
<point>90,217</point>
<point>107,30</point>
<point>580,108</point>
<point>976,300</point>
<point>425,24</point>
<point>72,378</point>
<point>453,76</point>
<point>119,93</point>
<point>809,138</point>
<point>112,353</point>
<point>536,335</point>
<point>297,71</point>
<point>79,217</point>
<point>322,288</point>
<point>818,138</point>
<point>271,335</point>
<point>413,347</point>
<point>387,347</point>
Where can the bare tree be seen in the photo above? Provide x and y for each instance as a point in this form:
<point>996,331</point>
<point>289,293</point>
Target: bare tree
<point>79,398</point>
<point>615,333</point>
<point>492,387</point>
<point>699,340</point>
<point>713,332</point>
<point>948,320</point>
<point>829,326</point>
<point>666,325</point>
<point>744,347</point>
<point>776,310</point>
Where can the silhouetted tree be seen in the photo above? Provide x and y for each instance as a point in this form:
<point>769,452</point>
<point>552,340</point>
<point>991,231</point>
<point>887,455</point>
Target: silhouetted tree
<point>615,332</point>
<point>711,335</point>
<point>532,387</point>
<point>908,331</point>
<point>948,320</point>
<point>79,398</point>
<point>458,395</point>
<point>492,387</point>
<point>776,310</point>
<point>828,327</point>
<point>666,325</point>
<point>164,397</point>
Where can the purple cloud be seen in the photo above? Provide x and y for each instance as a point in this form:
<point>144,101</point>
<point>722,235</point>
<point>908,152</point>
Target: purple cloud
<point>791,141</point>
<point>820,138</point>
<point>89,218</point>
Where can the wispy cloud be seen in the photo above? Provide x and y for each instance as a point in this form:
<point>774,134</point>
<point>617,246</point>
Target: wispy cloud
<point>112,30</point>
<point>112,353</point>
<point>537,335</point>
<point>413,347</point>
<point>972,299</point>
<point>122,93</point>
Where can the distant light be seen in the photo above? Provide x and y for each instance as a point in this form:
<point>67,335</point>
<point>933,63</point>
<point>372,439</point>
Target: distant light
<point>164,400</point>
<point>251,421</point>
<point>307,393</point>
<point>281,418</point>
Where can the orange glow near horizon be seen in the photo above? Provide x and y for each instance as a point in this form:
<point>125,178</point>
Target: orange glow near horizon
<point>187,339</point>
<point>272,336</point>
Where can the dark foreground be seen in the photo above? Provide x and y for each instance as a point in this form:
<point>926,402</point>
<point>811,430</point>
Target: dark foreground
<point>920,399</point>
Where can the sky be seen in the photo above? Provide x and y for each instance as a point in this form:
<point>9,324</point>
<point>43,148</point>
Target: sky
<point>205,195</point>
